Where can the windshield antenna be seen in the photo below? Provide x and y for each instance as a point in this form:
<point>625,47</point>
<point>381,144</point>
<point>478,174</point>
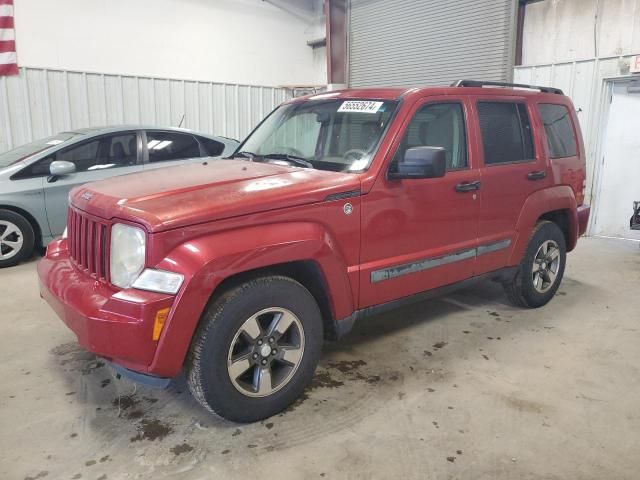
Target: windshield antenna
<point>181,120</point>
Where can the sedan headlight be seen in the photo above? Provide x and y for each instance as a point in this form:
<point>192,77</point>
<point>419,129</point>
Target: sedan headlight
<point>128,251</point>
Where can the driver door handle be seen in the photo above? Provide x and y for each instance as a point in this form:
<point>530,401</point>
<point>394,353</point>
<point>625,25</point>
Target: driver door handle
<point>468,186</point>
<point>539,175</point>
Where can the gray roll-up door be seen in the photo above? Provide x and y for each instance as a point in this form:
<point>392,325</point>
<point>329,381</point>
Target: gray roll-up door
<point>430,42</point>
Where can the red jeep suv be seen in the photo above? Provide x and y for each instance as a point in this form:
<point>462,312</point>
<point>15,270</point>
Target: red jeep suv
<point>336,206</point>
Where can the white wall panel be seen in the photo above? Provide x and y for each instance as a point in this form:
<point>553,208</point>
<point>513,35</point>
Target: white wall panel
<point>236,41</point>
<point>558,31</point>
<point>41,102</point>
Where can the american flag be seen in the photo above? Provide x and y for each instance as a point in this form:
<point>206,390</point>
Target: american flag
<point>8,58</point>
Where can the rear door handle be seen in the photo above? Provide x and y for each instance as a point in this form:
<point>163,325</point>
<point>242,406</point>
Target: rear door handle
<point>468,186</point>
<point>539,175</point>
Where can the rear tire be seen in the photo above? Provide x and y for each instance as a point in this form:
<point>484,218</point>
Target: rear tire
<point>542,268</point>
<point>240,365</point>
<point>17,238</point>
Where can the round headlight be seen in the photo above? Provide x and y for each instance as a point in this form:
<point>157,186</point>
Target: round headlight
<point>128,251</point>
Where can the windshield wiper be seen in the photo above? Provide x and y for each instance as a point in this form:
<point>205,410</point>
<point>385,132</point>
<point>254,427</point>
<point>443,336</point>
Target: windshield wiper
<point>303,162</point>
<point>249,155</point>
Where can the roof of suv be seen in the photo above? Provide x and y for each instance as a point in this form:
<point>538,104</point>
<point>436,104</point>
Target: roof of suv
<point>467,87</point>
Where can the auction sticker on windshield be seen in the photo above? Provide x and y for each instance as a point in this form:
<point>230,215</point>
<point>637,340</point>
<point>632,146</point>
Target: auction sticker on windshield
<point>360,106</point>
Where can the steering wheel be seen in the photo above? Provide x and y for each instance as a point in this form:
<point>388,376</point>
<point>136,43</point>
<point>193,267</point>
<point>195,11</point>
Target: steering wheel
<point>353,152</point>
<point>290,150</point>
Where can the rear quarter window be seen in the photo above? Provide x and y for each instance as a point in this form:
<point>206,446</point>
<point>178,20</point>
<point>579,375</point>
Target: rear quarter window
<point>211,147</point>
<point>559,130</point>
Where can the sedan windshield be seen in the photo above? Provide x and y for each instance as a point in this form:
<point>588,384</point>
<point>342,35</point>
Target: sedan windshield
<point>327,134</point>
<point>25,151</point>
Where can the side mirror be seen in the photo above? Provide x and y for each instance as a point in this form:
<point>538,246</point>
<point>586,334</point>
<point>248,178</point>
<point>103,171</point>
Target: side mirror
<point>420,162</point>
<point>60,168</point>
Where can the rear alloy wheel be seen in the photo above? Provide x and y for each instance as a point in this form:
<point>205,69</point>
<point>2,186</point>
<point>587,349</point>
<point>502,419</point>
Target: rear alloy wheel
<point>546,265</point>
<point>16,238</point>
<point>541,269</point>
<point>256,349</point>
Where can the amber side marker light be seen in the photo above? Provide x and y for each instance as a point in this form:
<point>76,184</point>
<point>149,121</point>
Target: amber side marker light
<point>161,317</point>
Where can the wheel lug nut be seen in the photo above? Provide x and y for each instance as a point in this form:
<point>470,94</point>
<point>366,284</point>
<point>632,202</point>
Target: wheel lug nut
<point>271,339</point>
<point>274,351</point>
<point>254,356</point>
<point>264,362</point>
<point>260,342</point>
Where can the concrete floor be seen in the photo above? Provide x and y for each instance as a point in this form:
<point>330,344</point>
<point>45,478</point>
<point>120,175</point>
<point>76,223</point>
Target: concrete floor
<point>463,386</point>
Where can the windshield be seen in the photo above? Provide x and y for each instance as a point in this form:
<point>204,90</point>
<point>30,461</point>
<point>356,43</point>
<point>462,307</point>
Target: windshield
<point>24,151</point>
<point>337,135</point>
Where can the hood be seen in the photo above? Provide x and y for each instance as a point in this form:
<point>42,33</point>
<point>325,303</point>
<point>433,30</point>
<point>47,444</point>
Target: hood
<point>173,197</point>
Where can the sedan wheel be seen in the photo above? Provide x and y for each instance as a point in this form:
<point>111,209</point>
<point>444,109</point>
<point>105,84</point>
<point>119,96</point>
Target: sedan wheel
<point>11,240</point>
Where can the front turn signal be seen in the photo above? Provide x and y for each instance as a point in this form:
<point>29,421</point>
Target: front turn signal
<point>158,324</point>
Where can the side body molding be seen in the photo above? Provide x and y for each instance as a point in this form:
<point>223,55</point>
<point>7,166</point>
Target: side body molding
<point>208,260</point>
<point>536,205</point>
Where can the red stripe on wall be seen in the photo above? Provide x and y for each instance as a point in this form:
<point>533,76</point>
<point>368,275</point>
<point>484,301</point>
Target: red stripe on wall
<point>9,69</point>
<point>6,2</point>
<point>6,22</point>
<point>7,46</point>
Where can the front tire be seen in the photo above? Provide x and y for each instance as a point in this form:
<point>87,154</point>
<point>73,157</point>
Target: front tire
<point>256,349</point>
<point>542,268</point>
<point>17,238</point>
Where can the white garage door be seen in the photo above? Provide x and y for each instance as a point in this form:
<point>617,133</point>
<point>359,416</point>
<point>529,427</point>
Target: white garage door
<point>619,182</point>
<point>430,42</point>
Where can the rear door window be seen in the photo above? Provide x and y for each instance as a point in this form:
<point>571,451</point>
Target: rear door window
<point>506,132</point>
<point>166,146</point>
<point>559,130</point>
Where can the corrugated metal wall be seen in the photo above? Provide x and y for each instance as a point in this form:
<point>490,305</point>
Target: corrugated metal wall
<point>584,82</point>
<point>430,42</point>
<point>41,102</point>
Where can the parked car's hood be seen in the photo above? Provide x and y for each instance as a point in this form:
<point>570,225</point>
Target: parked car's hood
<point>175,197</point>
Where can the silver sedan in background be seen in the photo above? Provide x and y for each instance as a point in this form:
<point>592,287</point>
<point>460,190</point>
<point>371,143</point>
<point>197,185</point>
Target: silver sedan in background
<point>35,179</point>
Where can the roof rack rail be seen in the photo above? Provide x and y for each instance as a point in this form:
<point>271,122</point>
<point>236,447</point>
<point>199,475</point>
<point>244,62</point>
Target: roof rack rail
<point>481,83</point>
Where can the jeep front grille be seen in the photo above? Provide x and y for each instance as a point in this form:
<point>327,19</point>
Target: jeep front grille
<point>87,240</point>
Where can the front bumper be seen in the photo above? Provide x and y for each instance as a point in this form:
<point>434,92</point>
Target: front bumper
<point>116,324</point>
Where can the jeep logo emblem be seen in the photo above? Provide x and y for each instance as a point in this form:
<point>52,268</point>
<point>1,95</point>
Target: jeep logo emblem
<point>87,195</point>
<point>348,209</point>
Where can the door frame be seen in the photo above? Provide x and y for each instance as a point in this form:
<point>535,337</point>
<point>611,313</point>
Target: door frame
<point>601,127</point>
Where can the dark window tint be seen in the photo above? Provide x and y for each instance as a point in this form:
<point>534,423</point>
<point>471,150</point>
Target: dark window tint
<point>165,146</point>
<point>211,147</point>
<point>118,151</point>
<point>557,126</point>
<point>506,132</point>
<point>84,155</point>
<point>99,154</point>
<point>438,125</point>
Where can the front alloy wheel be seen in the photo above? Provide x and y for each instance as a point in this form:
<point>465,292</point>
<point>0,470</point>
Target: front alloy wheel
<point>266,352</point>
<point>17,238</point>
<point>11,240</point>
<point>256,348</point>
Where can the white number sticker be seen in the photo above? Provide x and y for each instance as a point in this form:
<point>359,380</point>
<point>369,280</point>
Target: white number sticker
<point>360,106</point>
